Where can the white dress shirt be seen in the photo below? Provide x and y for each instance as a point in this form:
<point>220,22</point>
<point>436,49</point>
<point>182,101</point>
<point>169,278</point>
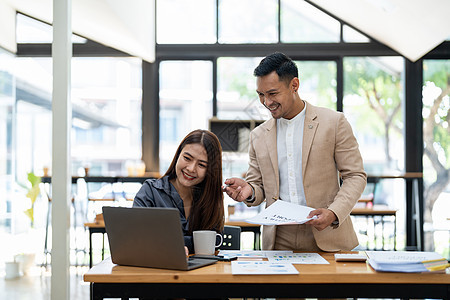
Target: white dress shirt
<point>289,151</point>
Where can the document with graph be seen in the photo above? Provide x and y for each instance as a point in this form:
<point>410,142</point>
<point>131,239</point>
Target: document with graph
<point>261,268</point>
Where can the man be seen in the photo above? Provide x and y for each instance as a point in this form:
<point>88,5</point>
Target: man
<point>301,155</point>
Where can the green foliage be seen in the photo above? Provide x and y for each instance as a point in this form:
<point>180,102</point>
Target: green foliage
<point>319,77</point>
<point>379,86</point>
<point>33,193</point>
<point>437,71</point>
<point>437,78</point>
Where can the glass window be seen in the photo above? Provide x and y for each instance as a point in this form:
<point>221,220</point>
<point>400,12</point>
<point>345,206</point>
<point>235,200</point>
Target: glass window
<point>318,82</point>
<point>185,99</point>
<point>353,36</point>
<point>7,88</point>
<point>33,78</point>
<point>169,125</point>
<point>106,110</point>
<point>236,89</point>
<point>186,22</point>
<point>373,104</point>
<point>303,23</point>
<point>248,21</point>
<point>436,159</point>
<point>29,30</point>
<point>373,99</point>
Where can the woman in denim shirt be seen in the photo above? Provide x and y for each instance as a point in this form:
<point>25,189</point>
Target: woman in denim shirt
<point>192,184</point>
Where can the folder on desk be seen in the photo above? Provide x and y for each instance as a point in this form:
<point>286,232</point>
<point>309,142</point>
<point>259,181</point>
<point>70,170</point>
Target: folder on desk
<point>407,261</point>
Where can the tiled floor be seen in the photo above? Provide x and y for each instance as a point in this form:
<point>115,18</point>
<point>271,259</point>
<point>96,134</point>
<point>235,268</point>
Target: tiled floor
<point>37,285</point>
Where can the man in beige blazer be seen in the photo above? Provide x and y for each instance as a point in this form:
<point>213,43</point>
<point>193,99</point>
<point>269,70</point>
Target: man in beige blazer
<point>301,155</point>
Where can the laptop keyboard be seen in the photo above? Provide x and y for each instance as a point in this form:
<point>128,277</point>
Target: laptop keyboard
<point>193,262</point>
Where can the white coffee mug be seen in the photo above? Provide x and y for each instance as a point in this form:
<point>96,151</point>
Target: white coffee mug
<point>205,242</point>
<point>12,270</point>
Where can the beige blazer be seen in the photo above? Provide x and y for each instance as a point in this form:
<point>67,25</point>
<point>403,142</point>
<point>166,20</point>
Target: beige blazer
<point>329,149</point>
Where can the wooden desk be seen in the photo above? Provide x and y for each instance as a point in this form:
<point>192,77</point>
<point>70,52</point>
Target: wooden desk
<point>255,228</point>
<point>340,280</point>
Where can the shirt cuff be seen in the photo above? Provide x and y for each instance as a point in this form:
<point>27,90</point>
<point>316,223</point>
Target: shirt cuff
<point>335,224</point>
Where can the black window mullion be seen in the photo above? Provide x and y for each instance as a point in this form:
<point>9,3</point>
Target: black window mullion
<point>217,21</point>
<point>279,21</point>
<point>340,84</point>
<point>214,87</point>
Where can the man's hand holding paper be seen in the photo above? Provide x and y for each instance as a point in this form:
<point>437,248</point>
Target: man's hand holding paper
<point>321,218</point>
<point>283,213</point>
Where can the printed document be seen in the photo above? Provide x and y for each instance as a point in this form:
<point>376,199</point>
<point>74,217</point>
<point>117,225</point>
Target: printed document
<point>297,258</point>
<point>283,213</point>
<point>261,268</point>
<point>253,253</point>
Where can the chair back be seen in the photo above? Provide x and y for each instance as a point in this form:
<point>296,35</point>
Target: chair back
<point>231,238</point>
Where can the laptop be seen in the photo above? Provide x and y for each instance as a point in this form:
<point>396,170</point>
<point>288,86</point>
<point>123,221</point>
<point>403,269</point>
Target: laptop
<point>148,237</point>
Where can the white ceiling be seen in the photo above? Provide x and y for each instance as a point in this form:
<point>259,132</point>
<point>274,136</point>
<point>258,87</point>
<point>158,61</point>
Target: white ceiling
<point>411,27</point>
<point>124,25</point>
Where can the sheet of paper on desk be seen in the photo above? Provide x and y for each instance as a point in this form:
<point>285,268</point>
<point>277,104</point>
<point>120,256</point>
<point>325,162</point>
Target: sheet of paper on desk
<point>297,258</point>
<point>261,268</point>
<point>282,213</point>
<point>252,253</point>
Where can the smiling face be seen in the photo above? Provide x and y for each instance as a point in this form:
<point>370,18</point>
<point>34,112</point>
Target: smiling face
<point>191,165</point>
<point>279,97</point>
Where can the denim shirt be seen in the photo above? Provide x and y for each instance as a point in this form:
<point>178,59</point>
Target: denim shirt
<point>161,193</point>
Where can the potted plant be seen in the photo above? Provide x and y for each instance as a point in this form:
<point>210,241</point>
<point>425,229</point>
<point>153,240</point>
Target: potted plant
<point>33,192</point>
<point>27,258</point>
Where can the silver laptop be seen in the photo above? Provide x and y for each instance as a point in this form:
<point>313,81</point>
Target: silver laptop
<point>148,237</point>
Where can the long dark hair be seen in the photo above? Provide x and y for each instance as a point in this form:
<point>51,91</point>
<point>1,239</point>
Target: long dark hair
<point>207,210</point>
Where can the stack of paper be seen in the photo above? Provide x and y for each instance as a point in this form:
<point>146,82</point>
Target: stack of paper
<point>407,261</point>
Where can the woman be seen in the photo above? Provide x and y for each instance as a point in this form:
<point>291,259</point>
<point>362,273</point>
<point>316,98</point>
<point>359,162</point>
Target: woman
<point>192,184</point>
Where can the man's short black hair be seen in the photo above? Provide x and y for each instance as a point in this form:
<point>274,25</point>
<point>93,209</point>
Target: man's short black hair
<point>278,62</point>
